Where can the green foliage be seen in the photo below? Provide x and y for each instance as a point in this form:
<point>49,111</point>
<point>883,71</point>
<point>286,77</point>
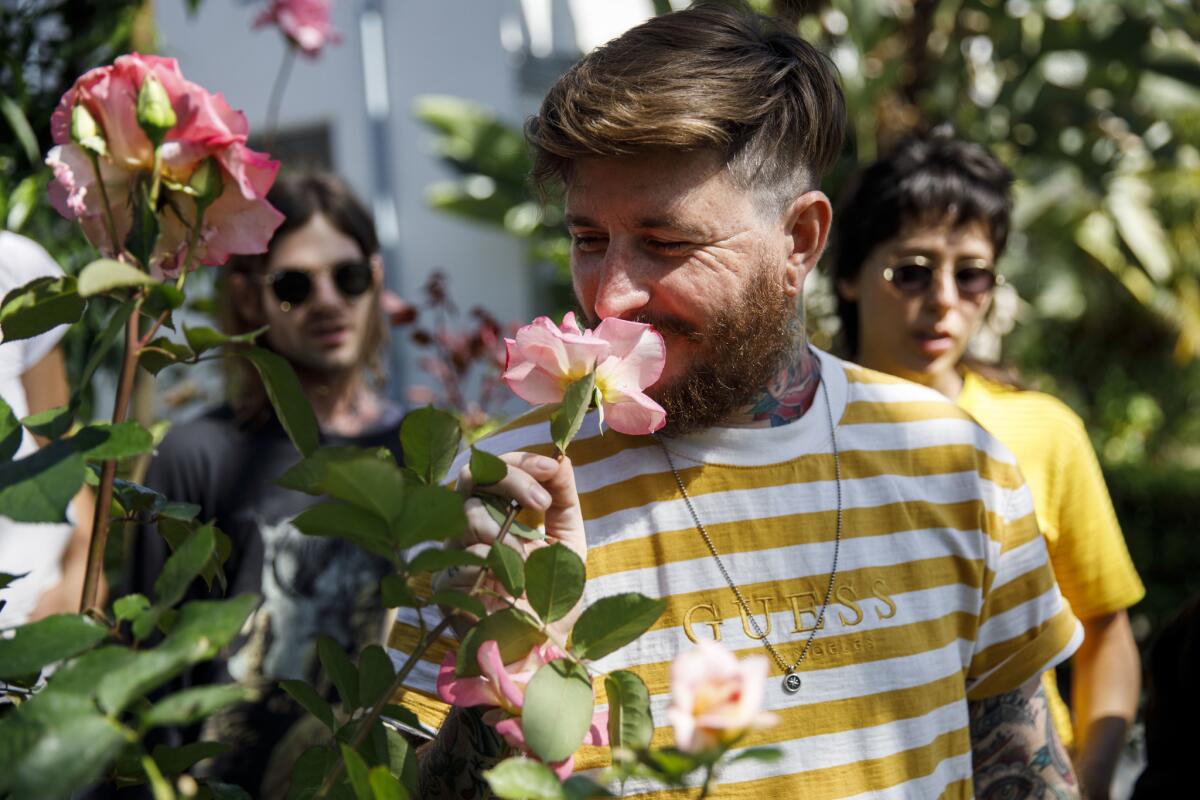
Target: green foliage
<point>430,440</point>
<point>430,513</point>
<point>287,398</point>
<point>569,415</point>
<point>508,567</point>
<point>104,275</point>
<point>486,468</point>
<point>10,432</point>
<point>629,722</point>
<point>515,631</point>
<point>558,709</point>
<point>344,521</point>
<point>312,702</point>
<point>38,306</point>
<point>38,488</point>
<point>194,704</point>
<point>435,560</point>
<point>340,670</point>
<point>523,779</point>
<point>612,622</point>
<point>366,479</point>
<point>43,642</point>
<point>375,675</point>
<point>554,578</point>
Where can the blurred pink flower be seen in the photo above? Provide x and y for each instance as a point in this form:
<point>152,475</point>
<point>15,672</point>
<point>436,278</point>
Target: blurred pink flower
<point>716,699</point>
<point>503,687</point>
<point>627,357</point>
<point>306,23</point>
<point>239,221</point>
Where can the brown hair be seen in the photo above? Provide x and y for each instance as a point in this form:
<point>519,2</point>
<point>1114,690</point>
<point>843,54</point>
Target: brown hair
<point>299,196</point>
<point>708,78</point>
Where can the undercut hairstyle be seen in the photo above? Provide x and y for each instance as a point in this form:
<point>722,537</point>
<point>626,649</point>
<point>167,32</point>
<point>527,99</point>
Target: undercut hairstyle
<point>299,196</point>
<point>930,178</point>
<point>711,78</point>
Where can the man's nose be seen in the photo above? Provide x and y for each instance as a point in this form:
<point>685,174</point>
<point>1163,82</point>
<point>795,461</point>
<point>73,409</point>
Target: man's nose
<point>621,290</point>
<point>325,292</point>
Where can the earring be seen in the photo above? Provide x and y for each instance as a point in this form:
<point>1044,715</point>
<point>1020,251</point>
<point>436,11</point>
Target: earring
<point>285,306</point>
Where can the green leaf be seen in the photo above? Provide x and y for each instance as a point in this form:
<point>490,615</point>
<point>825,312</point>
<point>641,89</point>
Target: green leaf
<point>10,432</point>
<point>118,441</point>
<point>436,559</point>
<point>404,716</point>
<point>105,274</point>
<point>54,638</point>
<point>22,131</point>
<point>767,755</point>
<point>63,757</point>
<point>613,622</point>
<point>523,779</point>
<point>375,674</point>
<point>175,760</point>
<point>312,702</point>
<point>162,297</point>
<point>430,514</point>
<point>7,577</point>
<point>194,704</point>
<point>395,592</point>
<point>309,772</point>
<point>339,669</point>
<point>554,578</point>
<point>39,306</point>
<point>368,479</point>
<point>226,791</point>
<point>384,786</point>
<point>565,421</point>
<point>559,702</point>
<point>130,606</point>
<point>287,398</point>
<point>356,770</point>
<point>108,337</point>
<point>629,721</point>
<point>486,468</point>
<point>22,202</point>
<point>182,567</point>
<point>162,353</point>
<point>461,601</point>
<point>497,509</point>
<point>515,631</point>
<point>39,487</point>
<point>51,423</point>
<point>181,512</point>
<point>344,521</point>
<point>579,787</point>
<point>202,338</point>
<point>507,566</point>
<point>430,440</point>
<point>143,232</point>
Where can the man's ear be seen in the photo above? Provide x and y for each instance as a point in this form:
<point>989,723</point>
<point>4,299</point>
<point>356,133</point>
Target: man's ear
<point>246,298</point>
<point>807,227</point>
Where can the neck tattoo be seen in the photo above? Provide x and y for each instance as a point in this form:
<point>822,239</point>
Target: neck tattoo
<point>789,394</point>
<point>791,681</point>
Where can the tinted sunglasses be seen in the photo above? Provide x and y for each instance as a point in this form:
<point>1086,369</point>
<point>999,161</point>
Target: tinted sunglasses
<point>914,276</point>
<point>294,286</point>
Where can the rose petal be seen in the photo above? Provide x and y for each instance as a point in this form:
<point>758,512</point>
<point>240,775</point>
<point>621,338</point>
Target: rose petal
<point>510,730</point>
<point>632,413</point>
<point>640,350</point>
<point>533,385</point>
<point>463,692</point>
<point>512,695</point>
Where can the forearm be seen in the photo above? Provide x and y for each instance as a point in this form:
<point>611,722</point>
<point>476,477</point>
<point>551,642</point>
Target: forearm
<point>452,765</point>
<point>1105,687</point>
<point>1015,751</point>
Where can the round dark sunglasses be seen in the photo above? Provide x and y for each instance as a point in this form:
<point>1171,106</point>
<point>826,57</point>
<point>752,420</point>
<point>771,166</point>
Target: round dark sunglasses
<point>294,286</point>
<point>915,275</point>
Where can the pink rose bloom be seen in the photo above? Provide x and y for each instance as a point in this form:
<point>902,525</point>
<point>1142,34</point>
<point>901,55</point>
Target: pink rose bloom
<point>627,357</point>
<point>306,23</point>
<point>239,221</point>
<point>716,699</point>
<point>503,686</point>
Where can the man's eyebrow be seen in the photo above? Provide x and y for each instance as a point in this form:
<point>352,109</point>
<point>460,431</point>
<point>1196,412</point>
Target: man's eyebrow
<point>578,221</point>
<point>672,224</point>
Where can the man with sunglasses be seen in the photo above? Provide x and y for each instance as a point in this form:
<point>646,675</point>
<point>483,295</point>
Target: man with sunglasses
<point>318,289</point>
<point>917,236</point>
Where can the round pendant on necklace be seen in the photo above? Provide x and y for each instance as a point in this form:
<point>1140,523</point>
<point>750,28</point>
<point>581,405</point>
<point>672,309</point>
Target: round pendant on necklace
<point>791,683</point>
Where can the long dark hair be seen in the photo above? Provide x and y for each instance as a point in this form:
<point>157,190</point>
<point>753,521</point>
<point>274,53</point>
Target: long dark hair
<point>299,196</point>
<point>924,177</point>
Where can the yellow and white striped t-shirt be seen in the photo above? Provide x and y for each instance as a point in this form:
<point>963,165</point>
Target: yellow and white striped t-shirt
<point>943,588</point>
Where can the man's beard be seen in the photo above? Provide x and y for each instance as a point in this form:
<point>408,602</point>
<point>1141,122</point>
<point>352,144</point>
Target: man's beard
<point>739,351</point>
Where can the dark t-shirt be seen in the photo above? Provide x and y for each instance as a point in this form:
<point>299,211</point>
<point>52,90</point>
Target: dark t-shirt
<point>309,586</point>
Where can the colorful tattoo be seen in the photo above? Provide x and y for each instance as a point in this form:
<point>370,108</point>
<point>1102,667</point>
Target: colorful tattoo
<point>1015,750</point>
<point>790,393</point>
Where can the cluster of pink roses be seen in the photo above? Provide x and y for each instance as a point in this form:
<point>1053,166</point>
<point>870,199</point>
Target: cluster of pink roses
<point>627,357</point>
<point>205,164</point>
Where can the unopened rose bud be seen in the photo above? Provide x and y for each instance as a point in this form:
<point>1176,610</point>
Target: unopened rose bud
<point>205,183</point>
<point>85,131</point>
<point>154,112</point>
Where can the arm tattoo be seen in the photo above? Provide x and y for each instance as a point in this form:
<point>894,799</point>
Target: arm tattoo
<point>1015,750</point>
<point>452,765</point>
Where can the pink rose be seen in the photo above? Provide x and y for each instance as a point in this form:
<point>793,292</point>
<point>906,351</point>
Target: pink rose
<point>240,220</point>
<point>306,23</point>
<point>503,687</point>
<point>716,699</point>
<point>627,357</point>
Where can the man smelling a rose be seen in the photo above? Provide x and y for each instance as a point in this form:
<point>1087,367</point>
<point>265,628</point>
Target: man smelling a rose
<point>784,479</point>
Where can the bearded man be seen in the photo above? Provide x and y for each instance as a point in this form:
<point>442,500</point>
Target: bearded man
<point>860,531</point>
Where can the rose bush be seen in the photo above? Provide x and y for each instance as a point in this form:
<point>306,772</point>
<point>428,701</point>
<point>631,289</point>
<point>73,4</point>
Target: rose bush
<point>119,153</point>
<point>305,23</point>
<point>626,358</point>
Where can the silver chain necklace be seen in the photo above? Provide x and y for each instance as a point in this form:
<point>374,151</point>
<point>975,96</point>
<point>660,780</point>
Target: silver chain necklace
<point>791,681</point>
